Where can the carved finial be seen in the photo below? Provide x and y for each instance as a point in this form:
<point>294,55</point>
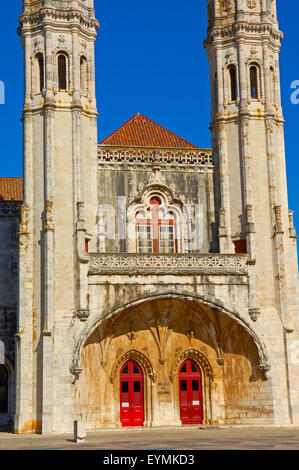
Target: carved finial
<point>222,218</point>
<point>249,214</point>
<point>24,223</point>
<point>278,220</point>
<point>49,216</point>
<point>292,229</point>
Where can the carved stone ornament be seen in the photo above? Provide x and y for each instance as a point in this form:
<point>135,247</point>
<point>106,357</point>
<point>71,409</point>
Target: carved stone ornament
<point>226,5</point>
<point>222,218</point>
<point>278,218</point>
<point>254,314</point>
<point>292,229</point>
<point>61,39</point>
<point>251,4</point>
<point>24,223</point>
<point>49,216</point>
<point>157,177</point>
<point>83,314</point>
<point>76,371</point>
<point>249,214</point>
<point>265,368</point>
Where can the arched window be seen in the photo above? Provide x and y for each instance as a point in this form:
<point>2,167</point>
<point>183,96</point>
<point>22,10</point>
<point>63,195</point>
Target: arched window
<point>40,68</point>
<point>273,86</point>
<point>62,72</point>
<point>156,229</point>
<point>254,82</point>
<point>83,74</point>
<point>216,90</point>
<point>3,389</point>
<point>233,83</point>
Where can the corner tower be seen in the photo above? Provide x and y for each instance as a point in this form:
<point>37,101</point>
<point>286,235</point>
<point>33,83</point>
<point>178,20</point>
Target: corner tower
<point>247,125</point>
<point>60,171</point>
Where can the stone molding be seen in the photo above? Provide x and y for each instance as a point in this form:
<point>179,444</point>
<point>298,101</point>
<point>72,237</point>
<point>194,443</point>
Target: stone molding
<point>130,156</point>
<point>132,263</point>
<point>137,356</point>
<point>241,28</point>
<point>198,357</point>
<point>51,14</point>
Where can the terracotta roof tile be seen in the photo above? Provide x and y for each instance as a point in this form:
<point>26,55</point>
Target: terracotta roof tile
<point>11,189</point>
<point>140,131</point>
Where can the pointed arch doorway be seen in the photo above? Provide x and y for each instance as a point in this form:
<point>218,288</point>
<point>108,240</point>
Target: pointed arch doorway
<point>190,390</point>
<point>131,394</point>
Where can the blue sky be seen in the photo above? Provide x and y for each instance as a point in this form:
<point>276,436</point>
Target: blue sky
<point>149,59</point>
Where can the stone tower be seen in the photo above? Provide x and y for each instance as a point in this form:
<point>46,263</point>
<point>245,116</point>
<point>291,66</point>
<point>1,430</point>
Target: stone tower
<point>243,45</point>
<point>60,168</point>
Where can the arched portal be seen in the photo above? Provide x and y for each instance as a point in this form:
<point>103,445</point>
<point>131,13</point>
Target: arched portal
<point>160,336</point>
<point>190,383</point>
<point>131,394</point>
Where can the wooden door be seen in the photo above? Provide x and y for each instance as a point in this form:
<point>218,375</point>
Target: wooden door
<point>190,393</point>
<point>131,395</point>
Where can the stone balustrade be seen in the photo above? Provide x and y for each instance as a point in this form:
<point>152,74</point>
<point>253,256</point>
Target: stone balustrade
<point>197,157</point>
<point>134,263</point>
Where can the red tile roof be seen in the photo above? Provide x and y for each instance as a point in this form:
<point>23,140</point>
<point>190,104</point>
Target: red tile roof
<point>140,131</point>
<point>11,189</point>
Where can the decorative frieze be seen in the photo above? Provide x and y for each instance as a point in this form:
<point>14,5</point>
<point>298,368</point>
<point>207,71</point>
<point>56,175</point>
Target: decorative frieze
<point>131,263</point>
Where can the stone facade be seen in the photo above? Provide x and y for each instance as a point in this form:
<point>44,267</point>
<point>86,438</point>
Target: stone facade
<point>9,213</point>
<point>89,299</point>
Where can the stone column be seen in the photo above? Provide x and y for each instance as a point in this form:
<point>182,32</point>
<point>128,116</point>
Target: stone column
<point>25,418</point>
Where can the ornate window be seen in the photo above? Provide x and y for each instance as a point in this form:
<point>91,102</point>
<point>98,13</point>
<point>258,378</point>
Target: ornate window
<point>83,74</point>
<point>233,82</point>
<point>62,72</point>
<point>156,229</point>
<point>254,82</point>
<point>273,85</point>
<point>40,72</point>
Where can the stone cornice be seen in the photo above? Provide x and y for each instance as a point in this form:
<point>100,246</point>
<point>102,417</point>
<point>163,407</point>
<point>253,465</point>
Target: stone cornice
<point>51,14</point>
<point>243,28</point>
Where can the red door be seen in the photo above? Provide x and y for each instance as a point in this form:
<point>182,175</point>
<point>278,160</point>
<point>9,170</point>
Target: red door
<point>190,393</point>
<point>131,394</point>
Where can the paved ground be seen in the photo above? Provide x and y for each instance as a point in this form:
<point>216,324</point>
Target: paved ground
<point>238,438</point>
